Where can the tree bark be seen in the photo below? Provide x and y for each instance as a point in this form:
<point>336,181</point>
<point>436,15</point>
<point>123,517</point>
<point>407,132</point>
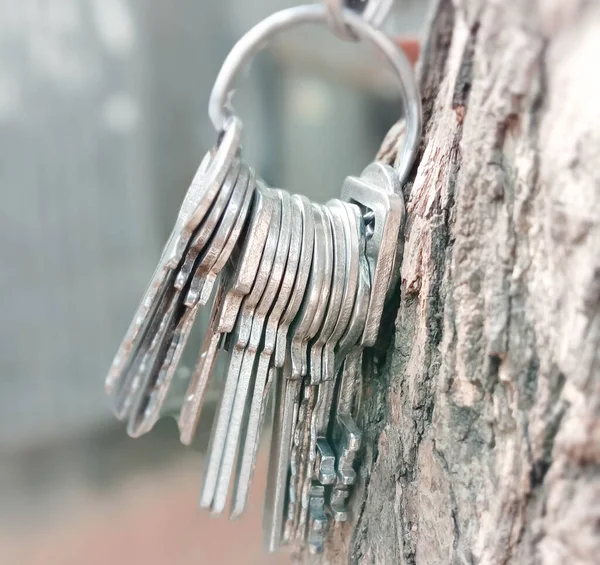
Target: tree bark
<point>482,418</point>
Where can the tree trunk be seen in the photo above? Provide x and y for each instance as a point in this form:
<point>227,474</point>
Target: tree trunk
<point>482,419</point>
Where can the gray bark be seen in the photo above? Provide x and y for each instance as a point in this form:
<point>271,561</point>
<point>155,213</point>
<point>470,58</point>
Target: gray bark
<point>482,416</point>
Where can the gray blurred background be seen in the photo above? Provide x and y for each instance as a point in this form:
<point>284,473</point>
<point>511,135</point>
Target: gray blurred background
<point>103,122</point>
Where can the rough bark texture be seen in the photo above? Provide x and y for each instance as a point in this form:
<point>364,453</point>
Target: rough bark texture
<point>483,418</point>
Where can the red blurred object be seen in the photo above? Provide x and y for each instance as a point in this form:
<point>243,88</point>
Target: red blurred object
<point>411,48</point>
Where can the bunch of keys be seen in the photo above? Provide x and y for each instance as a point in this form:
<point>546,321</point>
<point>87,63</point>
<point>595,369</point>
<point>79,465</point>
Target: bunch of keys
<point>296,291</point>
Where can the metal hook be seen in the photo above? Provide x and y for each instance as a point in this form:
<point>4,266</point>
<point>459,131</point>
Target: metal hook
<point>219,108</point>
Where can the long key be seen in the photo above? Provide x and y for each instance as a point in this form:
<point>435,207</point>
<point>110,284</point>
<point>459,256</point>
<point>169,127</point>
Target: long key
<point>289,391</point>
<point>249,443</point>
<point>198,385</point>
<point>237,277</point>
<point>238,345</point>
<point>241,409</point>
<point>360,310</point>
<point>285,395</point>
<point>247,268</point>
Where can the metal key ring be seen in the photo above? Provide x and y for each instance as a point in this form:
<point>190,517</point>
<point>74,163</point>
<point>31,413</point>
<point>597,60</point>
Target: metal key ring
<point>374,12</point>
<point>219,108</point>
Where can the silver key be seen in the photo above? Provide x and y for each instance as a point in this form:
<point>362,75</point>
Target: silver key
<point>327,288</point>
<point>302,278</point>
<point>302,327</point>
<point>198,385</point>
<point>266,207</point>
<point>206,182</point>
<point>244,402</point>
<point>351,236</point>
<point>358,318</point>
<point>236,212</point>
<point>336,293</point>
<point>156,381</point>
<point>227,251</point>
<point>208,226</point>
<point>238,372</point>
<point>236,282</point>
<point>285,395</point>
<point>378,189</point>
<point>250,436</point>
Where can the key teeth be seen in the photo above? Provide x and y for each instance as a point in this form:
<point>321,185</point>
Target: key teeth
<point>325,462</point>
<point>318,522</point>
<point>338,504</point>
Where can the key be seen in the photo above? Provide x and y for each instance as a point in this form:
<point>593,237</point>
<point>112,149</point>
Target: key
<point>303,325</point>
<point>207,227</point>
<point>189,415</point>
<point>244,402</point>
<point>346,434</point>
<point>303,456</point>
<point>285,395</point>
<point>378,189</point>
<point>235,214</point>
<point>245,267</point>
<point>327,288</point>
<point>351,237</point>
<point>358,318</point>
<point>249,445</point>
<point>280,444</point>
<point>208,179</point>
<point>235,372</point>
<point>336,293</point>
<point>301,282</point>
<point>227,251</point>
<point>155,381</point>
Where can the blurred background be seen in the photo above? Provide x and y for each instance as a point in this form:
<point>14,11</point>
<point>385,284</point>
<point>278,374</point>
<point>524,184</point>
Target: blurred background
<point>103,122</point>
